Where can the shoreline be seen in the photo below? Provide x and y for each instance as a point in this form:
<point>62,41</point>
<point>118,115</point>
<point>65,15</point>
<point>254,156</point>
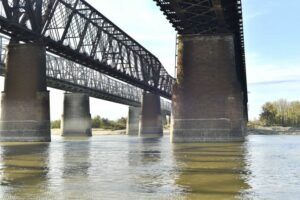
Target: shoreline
<point>274,130</point>
<point>251,131</point>
<point>95,131</point>
<point>98,131</point>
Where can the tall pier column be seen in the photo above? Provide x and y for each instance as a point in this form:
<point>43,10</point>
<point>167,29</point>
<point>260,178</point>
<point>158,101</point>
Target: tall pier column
<point>133,121</point>
<point>151,119</point>
<point>25,112</point>
<point>166,118</point>
<point>76,118</point>
<point>208,97</point>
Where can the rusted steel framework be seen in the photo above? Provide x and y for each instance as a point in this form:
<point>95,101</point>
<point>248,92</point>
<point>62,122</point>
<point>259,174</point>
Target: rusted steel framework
<point>73,29</point>
<point>69,76</point>
<point>210,17</point>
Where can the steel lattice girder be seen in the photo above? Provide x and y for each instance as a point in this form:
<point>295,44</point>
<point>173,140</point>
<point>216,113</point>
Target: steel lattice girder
<point>76,31</point>
<point>210,17</point>
<point>69,76</point>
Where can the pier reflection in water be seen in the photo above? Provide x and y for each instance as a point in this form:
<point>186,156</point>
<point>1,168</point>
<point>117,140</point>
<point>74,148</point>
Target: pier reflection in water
<point>121,167</point>
<point>210,171</point>
<point>24,170</point>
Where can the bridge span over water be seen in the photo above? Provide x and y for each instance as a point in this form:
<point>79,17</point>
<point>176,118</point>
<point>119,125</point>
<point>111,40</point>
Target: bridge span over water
<point>69,76</point>
<point>209,94</point>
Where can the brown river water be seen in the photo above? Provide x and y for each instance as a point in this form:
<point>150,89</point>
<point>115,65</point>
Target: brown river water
<point>122,167</point>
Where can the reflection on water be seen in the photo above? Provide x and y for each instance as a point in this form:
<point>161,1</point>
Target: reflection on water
<point>210,171</point>
<point>24,169</point>
<point>121,167</point>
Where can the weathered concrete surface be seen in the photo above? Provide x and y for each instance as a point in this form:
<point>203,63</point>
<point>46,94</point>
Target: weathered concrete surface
<point>25,112</point>
<point>76,118</point>
<point>133,121</point>
<point>151,119</point>
<point>166,118</point>
<point>207,98</point>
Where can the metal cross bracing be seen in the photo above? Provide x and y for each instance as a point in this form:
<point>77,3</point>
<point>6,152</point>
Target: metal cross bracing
<point>67,75</point>
<point>73,29</point>
<point>72,77</point>
<point>210,17</point>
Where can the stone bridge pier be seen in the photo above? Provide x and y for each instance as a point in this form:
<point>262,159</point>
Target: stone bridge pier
<point>76,118</point>
<point>25,114</point>
<point>135,115</point>
<point>151,119</point>
<point>133,121</point>
<point>207,97</point>
<point>166,118</point>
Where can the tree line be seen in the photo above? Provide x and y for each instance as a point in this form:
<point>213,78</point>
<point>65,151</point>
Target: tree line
<point>98,122</point>
<point>281,113</point>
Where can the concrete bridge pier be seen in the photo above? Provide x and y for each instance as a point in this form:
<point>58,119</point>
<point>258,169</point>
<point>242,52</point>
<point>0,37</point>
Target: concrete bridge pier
<point>151,119</point>
<point>207,97</point>
<point>25,115</point>
<point>165,118</point>
<point>133,121</point>
<point>76,118</point>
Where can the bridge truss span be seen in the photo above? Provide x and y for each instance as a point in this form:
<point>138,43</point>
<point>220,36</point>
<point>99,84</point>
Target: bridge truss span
<point>66,75</point>
<point>76,31</point>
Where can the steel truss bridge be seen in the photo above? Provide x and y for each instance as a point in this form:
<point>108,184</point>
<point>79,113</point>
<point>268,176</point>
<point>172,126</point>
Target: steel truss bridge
<point>210,17</point>
<point>74,30</point>
<point>69,76</point>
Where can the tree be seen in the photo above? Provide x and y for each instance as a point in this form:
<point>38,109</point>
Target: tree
<point>96,122</point>
<point>268,115</point>
<point>120,124</point>
<point>281,113</point>
<point>282,107</point>
<point>55,124</point>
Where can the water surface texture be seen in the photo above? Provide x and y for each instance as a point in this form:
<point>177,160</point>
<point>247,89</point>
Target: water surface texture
<point>122,167</point>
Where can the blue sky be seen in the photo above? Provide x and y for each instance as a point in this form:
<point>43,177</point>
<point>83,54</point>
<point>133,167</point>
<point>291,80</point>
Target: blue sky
<point>272,40</point>
<point>272,31</point>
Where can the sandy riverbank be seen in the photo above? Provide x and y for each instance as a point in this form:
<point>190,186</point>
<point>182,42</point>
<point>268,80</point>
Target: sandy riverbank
<point>102,132</point>
<point>277,130</point>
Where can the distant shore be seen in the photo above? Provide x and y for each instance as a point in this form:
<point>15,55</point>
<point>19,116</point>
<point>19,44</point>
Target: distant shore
<point>98,131</point>
<point>251,131</point>
<point>275,130</point>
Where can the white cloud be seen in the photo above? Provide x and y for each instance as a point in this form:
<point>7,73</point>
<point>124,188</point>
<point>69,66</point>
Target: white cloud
<point>270,81</point>
<point>248,17</point>
<point>259,71</point>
